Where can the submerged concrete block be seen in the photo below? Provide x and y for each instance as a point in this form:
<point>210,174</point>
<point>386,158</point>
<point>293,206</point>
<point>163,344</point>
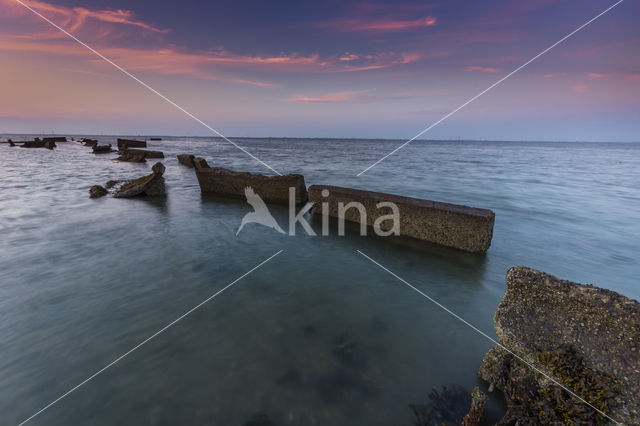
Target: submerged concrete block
<point>272,189</point>
<point>144,152</point>
<point>125,143</point>
<point>452,225</point>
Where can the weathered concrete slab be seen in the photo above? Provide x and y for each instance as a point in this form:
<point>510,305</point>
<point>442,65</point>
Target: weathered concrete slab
<point>146,153</point>
<point>272,189</point>
<point>587,338</point>
<point>186,159</point>
<point>200,163</point>
<point>102,149</point>
<point>38,143</point>
<point>452,225</point>
<point>192,161</point>
<point>131,143</point>
<point>150,185</point>
<point>33,144</point>
<point>132,158</point>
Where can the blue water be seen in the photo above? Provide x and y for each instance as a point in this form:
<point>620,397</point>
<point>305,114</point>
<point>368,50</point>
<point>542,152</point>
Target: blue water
<point>83,280</point>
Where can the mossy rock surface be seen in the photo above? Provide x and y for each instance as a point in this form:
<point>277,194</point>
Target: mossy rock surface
<point>585,337</point>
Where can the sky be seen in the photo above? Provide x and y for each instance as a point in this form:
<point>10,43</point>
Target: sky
<point>352,69</point>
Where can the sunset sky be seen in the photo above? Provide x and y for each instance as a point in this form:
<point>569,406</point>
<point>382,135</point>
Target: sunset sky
<point>364,69</point>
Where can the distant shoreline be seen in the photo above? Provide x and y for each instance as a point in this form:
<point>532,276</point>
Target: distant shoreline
<point>5,135</point>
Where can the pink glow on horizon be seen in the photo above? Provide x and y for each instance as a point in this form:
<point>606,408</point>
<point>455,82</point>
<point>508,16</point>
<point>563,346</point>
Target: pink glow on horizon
<point>346,96</point>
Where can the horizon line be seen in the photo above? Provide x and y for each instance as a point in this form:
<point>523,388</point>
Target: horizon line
<point>316,137</point>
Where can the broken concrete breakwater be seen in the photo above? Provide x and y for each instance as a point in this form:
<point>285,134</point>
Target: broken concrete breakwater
<point>451,225</point>
<point>272,189</point>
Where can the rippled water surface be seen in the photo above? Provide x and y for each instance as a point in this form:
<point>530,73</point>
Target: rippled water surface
<point>317,336</point>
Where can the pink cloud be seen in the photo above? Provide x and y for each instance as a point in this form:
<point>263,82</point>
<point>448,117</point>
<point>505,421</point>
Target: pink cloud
<point>377,25</point>
<point>609,46</point>
<point>214,65</point>
<point>479,68</point>
<point>580,88</point>
<point>79,19</point>
<point>598,75</point>
<point>108,30</point>
<point>380,61</point>
<point>628,76</point>
<point>334,97</point>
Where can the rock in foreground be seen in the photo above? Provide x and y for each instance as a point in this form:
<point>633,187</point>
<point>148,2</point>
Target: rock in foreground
<point>585,337</point>
<point>451,225</point>
<point>272,189</point>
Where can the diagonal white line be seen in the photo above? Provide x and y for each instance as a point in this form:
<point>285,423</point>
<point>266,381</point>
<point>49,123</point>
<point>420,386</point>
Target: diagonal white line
<point>458,317</point>
<point>85,381</point>
<point>148,87</point>
<point>491,87</point>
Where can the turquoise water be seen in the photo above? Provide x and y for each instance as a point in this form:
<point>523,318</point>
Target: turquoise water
<point>82,281</point>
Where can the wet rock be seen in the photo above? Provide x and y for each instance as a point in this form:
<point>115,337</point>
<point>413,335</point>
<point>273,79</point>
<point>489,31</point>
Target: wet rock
<point>200,163</point>
<point>55,139</point>
<point>272,189</point>
<point>102,149</point>
<point>158,168</point>
<point>155,139</point>
<point>11,142</point>
<point>39,143</point>
<point>152,185</point>
<point>461,227</point>
<point>186,159</point>
<point>192,161</point>
<point>478,402</point>
<point>587,338</point>
<point>91,143</point>
<point>97,191</point>
<point>36,143</point>
<point>131,143</point>
<point>132,158</point>
<point>146,153</point>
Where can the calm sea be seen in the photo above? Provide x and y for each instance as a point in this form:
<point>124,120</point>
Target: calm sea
<point>317,336</point>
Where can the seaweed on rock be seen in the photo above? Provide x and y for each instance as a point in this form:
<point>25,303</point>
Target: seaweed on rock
<point>538,402</point>
<point>447,407</point>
